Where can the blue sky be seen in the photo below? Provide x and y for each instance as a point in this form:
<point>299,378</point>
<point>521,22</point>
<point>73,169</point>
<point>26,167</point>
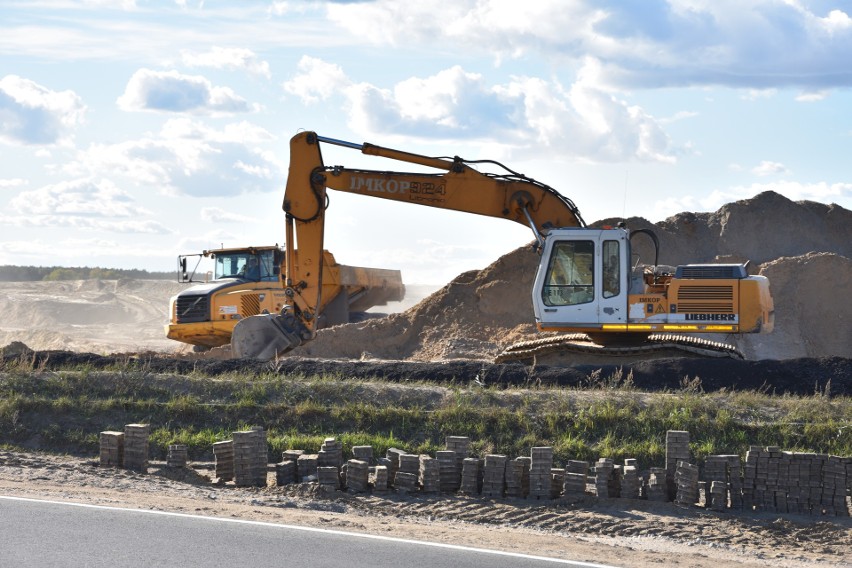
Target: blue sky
<point>132,131</point>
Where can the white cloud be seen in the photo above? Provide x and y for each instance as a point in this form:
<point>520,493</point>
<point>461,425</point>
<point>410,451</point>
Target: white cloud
<point>678,116</point>
<point>758,94</point>
<point>170,91</point>
<point>316,80</point>
<point>120,4</point>
<point>812,96</point>
<point>837,21</point>
<point>227,58</point>
<point>95,204</point>
<point>758,44</point>
<point>767,168</point>
<point>31,114</point>
<point>12,182</point>
<point>529,115</point>
<point>189,158</point>
<point>81,197</point>
<point>219,215</point>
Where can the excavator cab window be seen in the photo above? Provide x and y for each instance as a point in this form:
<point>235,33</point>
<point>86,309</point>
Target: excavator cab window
<point>611,269</point>
<point>570,275</point>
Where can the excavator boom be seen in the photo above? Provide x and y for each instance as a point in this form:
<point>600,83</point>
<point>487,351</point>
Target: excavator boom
<point>456,186</point>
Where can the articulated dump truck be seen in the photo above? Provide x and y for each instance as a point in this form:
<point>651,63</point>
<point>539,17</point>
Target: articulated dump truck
<point>245,282</point>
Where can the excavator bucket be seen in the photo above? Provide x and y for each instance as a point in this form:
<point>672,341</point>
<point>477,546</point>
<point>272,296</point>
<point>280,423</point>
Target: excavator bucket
<point>264,337</point>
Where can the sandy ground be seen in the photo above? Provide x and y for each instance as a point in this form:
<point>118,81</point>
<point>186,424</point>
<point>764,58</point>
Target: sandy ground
<point>617,532</point>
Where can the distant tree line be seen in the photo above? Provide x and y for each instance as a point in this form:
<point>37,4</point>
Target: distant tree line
<point>10,273</point>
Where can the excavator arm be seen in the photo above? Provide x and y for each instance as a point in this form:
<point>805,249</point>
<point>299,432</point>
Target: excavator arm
<point>456,185</point>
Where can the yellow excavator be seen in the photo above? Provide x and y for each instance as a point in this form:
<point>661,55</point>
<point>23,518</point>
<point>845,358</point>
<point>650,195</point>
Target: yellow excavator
<point>585,286</point>
<point>245,282</point>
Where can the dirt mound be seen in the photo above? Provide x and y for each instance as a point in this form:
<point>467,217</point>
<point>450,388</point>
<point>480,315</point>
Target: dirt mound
<point>812,308</point>
<point>472,317</point>
<point>760,229</point>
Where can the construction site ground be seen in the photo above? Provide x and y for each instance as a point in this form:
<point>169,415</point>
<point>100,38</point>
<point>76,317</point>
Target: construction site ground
<point>450,335</point>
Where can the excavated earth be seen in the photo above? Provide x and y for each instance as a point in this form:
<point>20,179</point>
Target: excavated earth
<point>804,248</point>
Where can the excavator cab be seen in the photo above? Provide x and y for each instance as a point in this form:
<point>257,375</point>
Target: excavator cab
<point>582,279</point>
<point>585,285</point>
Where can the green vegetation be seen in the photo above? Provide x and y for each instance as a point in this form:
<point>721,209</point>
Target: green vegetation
<point>64,411</point>
<point>9,273</point>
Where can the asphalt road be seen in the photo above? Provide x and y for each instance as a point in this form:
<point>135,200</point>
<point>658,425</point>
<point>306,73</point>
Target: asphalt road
<point>46,533</point>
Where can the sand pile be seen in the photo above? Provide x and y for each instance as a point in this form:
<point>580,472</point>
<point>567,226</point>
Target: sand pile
<point>103,316</point>
<point>813,316</point>
<point>472,317</point>
<point>808,246</point>
<point>761,229</point>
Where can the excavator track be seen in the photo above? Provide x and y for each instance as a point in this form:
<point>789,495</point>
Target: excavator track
<point>578,348</point>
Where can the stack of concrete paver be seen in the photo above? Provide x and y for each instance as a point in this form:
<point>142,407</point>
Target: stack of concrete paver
<point>516,470</point>
<point>409,463</point>
<point>677,449</point>
<point>291,455</point>
<point>328,477</point>
<point>494,475</point>
<point>834,487</point>
<point>686,479</point>
<point>363,453</point>
<point>177,456</point>
<point>285,472</point>
<point>576,475</point>
<point>430,474</point>
<point>392,455</point>
<point>718,492</point>
<point>773,480</point>
<point>306,467</point>
<point>656,488</point>
<point>330,453</point>
<point>379,479</point>
<point>136,447</point>
<point>540,477</point>
<point>791,482</point>
<point>250,457</point>
<point>223,460</point>
<point>450,470</point>
<point>630,482</point>
<point>726,470</point>
<point>470,476</point>
<point>603,474</point>
<point>111,449</point>
<point>357,476</point>
<point>460,445</point>
<point>735,481</point>
<point>557,482</point>
<point>405,482</point>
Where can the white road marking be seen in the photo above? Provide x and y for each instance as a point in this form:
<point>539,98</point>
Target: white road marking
<point>321,530</point>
